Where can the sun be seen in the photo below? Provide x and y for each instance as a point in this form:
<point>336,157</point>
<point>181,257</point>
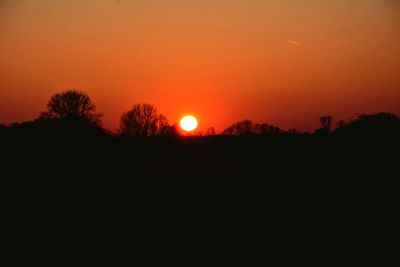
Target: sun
<point>189,123</point>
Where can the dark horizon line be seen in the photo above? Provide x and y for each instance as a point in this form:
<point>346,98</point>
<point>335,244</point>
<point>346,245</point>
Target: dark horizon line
<point>201,132</point>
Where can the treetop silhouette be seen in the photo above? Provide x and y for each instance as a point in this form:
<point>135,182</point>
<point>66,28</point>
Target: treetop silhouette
<point>367,123</point>
<point>143,120</point>
<point>71,104</point>
<point>247,127</point>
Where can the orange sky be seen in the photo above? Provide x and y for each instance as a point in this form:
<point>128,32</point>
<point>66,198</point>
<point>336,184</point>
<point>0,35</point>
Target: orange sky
<point>283,62</point>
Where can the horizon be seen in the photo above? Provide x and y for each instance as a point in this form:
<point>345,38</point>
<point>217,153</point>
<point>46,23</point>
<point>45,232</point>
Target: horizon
<point>285,63</point>
<point>194,130</point>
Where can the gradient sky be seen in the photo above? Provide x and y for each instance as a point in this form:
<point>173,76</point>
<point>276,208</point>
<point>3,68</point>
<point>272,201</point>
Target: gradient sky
<point>284,62</point>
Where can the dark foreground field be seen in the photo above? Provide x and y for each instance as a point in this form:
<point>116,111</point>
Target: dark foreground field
<point>326,199</point>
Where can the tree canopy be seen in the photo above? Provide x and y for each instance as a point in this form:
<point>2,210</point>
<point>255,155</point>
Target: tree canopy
<point>143,120</point>
<point>71,104</point>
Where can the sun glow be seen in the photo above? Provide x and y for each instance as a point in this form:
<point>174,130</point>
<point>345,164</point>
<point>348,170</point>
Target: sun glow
<point>189,123</point>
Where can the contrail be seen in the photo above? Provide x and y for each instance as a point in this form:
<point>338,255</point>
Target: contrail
<point>293,42</point>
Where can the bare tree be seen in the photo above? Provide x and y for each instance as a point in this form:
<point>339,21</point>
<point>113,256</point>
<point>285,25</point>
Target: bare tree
<point>71,104</point>
<point>265,128</point>
<point>247,127</point>
<point>240,128</point>
<point>141,120</point>
<point>164,128</point>
<point>162,125</point>
<point>210,131</point>
<point>229,131</point>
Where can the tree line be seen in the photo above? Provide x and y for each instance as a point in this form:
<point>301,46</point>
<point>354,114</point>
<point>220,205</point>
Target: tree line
<point>140,120</point>
<point>144,119</point>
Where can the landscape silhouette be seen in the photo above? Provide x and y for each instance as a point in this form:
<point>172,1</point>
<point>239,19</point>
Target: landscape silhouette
<point>77,194</point>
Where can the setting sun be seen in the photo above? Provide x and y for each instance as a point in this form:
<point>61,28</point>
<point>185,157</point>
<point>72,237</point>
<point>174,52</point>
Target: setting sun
<point>189,123</point>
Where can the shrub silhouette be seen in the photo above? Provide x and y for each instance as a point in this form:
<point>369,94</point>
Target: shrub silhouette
<point>71,104</point>
<point>371,123</point>
<point>244,127</point>
<point>247,127</point>
<point>265,128</point>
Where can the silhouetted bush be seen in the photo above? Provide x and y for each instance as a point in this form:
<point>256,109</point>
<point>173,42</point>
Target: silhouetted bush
<point>294,132</point>
<point>247,127</point>
<point>371,123</point>
<point>265,128</point>
<point>240,128</point>
<point>67,128</point>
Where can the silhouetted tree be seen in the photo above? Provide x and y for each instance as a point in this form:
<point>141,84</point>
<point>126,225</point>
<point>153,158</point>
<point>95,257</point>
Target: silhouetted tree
<point>71,104</point>
<point>228,131</point>
<point>341,124</point>
<point>240,128</point>
<point>265,128</point>
<point>163,125</point>
<point>210,131</point>
<point>247,127</point>
<point>294,131</point>
<point>378,122</point>
<point>141,120</point>
<point>326,123</point>
<point>164,128</point>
